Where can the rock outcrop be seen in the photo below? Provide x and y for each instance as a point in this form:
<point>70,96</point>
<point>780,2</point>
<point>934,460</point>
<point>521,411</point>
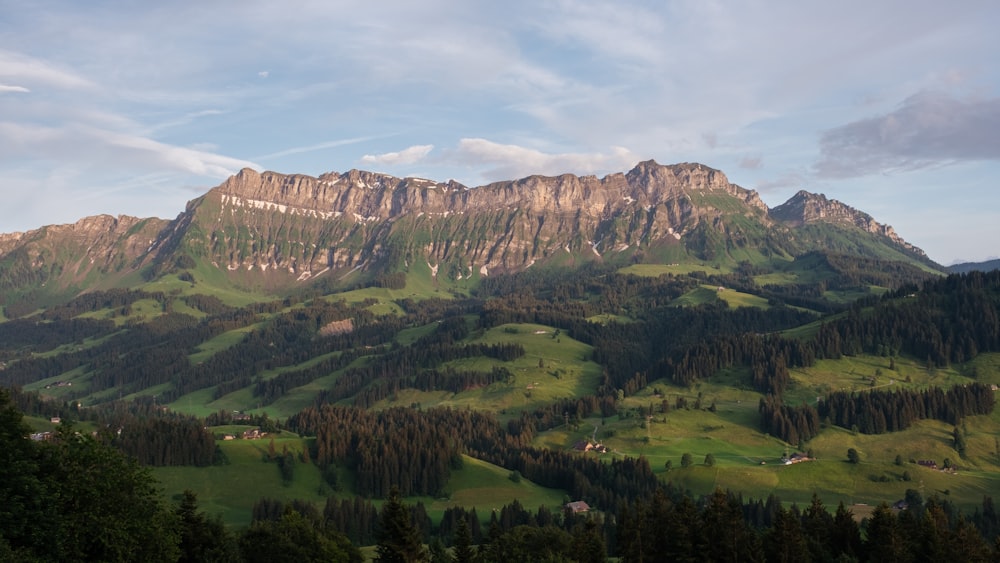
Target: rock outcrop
<point>290,228</point>
<point>804,208</point>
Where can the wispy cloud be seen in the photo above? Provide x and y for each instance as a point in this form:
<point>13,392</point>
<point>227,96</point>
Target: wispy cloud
<point>87,146</point>
<point>31,70</point>
<point>6,88</point>
<point>317,147</point>
<point>787,180</point>
<point>928,129</point>
<point>514,161</point>
<point>408,155</point>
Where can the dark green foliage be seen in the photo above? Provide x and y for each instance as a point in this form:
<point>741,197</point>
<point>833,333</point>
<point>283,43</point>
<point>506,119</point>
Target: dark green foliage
<point>286,466</point>
<point>26,513</point>
<point>853,456</point>
<point>528,543</point>
<point>791,424</point>
<point>884,537</point>
<point>463,550</point>
<point>785,542</point>
<point>108,506</point>
<point>75,498</point>
<point>166,440</point>
<point>24,334</point>
<point>356,518</point>
<point>399,541</point>
<point>877,412</point>
<point>437,552</point>
<point>686,460</point>
<point>203,539</point>
<point>845,536</point>
<point>959,438</point>
<point>294,537</point>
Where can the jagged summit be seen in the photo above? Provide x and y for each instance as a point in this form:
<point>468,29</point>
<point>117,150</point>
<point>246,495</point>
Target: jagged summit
<point>805,208</point>
<point>295,227</point>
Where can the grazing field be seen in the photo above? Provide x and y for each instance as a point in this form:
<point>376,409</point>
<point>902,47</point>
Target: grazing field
<point>231,490</point>
<point>750,461</point>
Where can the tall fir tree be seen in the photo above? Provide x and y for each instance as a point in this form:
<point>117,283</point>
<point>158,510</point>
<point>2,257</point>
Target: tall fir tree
<point>463,551</point>
<point>399,541</point>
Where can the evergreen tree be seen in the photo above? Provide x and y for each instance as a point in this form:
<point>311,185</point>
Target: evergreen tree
<point>108,506</point>
<point>731,538</point>
<point>438,552</point>
<point>959,438</point>
<point>686,460</point>
<point>885,540</point>
<point>399,540</point>
<point>817,527</point>
<point>203,539</point>
<point>463,551</point>
<point>845,536</point>
<point>588,543</point>
<point>295,538</point>
<point>784,542</point>
<point>27,513</point>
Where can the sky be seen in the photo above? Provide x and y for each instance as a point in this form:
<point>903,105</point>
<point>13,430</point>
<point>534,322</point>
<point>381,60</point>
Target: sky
<point>132,107</point>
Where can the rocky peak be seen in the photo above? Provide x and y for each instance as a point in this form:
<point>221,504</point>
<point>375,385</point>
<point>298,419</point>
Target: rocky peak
<point>804,208</point>
<point>305,226</point>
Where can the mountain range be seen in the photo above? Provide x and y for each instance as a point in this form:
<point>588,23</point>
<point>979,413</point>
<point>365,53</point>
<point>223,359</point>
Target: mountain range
<point>280,231</point>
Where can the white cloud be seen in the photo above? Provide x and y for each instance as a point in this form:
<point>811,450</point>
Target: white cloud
<point>37,71</point>
<point>514,161</point>
<point>87,146</point>
<point>928,129</point>
<point>408,155</point>
<point>6,88</point>
<point>181,159</point>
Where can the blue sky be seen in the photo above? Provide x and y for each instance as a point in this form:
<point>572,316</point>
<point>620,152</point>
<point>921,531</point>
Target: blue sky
<point>130,107</point>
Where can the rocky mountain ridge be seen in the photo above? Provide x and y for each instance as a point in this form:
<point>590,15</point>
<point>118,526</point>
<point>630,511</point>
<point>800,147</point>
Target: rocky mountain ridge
<point>805,207</point>
<point>298,227</point>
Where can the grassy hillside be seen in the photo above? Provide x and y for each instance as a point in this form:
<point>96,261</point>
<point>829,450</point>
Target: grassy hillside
<point>230,490</point>
<point>630,328</point>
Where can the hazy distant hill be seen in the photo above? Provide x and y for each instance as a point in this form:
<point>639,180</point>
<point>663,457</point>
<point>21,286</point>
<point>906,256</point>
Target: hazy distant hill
<point>971,266</point>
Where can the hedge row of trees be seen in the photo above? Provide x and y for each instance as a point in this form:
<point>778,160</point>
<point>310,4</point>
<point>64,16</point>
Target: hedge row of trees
<point>874,412</point>
<point>417,450</point>
<point>721,527</point>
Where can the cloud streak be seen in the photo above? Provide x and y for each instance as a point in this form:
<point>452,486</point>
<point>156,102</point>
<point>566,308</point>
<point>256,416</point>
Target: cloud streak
<point>37,71</point>
<point>408,155</point>
<point>316,147</point>
<point>86,146</point>
<point>505,161</point>
<point>928,129</point>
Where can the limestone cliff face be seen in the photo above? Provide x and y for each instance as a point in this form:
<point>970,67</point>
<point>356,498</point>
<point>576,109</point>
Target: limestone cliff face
<point>805,208</point>
<point>291,228</point>
<point>306,225</point>
<point>69,254</point>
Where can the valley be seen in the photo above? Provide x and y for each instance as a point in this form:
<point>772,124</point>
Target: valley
<point>472,360</point>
